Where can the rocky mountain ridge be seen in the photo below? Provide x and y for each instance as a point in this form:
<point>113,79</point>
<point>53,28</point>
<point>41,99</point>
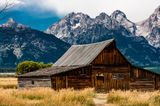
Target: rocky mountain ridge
<point>19,43</point>
<point>79,28</point>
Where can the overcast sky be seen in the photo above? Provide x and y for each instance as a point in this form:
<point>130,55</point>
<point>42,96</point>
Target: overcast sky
<point>136,10</point>
<point>42,13</point>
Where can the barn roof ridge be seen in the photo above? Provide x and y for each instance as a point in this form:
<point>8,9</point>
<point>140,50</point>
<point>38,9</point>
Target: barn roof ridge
<point>88,44</point>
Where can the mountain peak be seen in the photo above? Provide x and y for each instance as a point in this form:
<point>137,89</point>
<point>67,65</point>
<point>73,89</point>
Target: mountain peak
<point>117,14</point>
<point>11,20</point>
<point>121,18</point>
<point>156,14</point>
<point>11,23</point>
<point>79,14</point>
<point>102,16</point>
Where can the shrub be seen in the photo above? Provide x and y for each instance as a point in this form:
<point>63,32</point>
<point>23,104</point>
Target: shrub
<point>29,66</point>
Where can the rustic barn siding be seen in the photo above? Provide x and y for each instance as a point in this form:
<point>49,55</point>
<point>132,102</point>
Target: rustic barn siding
<point>34,82</point>
<point>108,78</point>
<point>110,70</point>
<point>77,79</point>
<point>110,56</point>
<point>142,79</point>
<point>157,81</point>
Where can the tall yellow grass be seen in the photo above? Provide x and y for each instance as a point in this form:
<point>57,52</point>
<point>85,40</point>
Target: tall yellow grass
<point>134,98</point>
<point>46,97</point>
<point>8,82</point>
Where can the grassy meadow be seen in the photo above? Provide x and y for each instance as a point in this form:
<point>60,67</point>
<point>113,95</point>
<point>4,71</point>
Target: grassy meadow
<point>134,98</point>
<point>11,96</point>
<point>8,82</point>
<point>46,97</point>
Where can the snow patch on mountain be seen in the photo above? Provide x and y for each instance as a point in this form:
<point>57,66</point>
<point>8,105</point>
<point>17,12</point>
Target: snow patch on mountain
<point>76,26</point>
<point>122,19</point>
<point>150,28</point>
<point>17,52</point>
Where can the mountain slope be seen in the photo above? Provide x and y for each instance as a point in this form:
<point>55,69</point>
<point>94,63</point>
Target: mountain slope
<point>150,28</point>
<point>79,28</point>
<point>19,43</point>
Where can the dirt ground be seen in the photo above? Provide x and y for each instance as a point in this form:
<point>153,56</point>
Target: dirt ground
<point>100,100</point>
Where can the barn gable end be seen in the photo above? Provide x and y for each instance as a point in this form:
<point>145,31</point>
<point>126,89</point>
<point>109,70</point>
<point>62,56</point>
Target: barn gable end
<point>110,55</point>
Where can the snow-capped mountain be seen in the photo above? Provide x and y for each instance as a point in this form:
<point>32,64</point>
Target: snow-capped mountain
<point>14,25</point>
<point>19,42</point>
<point>75,24</point>
<point>121,18</point>
<point>150,28</point>
<point>79,28</point>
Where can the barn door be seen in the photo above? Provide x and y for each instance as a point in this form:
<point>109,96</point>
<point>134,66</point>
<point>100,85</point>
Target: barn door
<point>99,82</point>
<point>61,82</point>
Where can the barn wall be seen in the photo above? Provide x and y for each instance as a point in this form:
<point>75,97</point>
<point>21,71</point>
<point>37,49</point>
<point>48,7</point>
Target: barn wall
<point>107,78</point>
<point>110,70</point>
<point>59,81</point>
<point>142,79</point>
<point>77,79</point>
<point>158,82</point>
<point>34,82</point>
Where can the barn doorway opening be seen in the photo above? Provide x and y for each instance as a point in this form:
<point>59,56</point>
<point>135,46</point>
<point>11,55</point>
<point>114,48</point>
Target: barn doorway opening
<point>100,81</point>
<point>62,82</point>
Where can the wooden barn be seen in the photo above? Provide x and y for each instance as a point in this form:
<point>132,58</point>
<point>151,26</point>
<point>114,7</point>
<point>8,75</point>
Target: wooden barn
<point>100,65</point>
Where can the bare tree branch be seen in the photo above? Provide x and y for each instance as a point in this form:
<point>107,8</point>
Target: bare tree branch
<point>7,5</point>
<point>4,6</point>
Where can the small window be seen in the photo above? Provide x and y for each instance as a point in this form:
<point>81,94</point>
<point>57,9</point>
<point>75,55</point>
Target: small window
<point>82,72</point>
<point>100,77</point>
<point>32,82</point>
<point>118,76</point>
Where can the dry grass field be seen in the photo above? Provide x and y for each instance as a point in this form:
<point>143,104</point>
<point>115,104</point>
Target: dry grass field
<point>46,97</point>
<point>134,98</point>
<point>10,96</point>
<point>8,82</point>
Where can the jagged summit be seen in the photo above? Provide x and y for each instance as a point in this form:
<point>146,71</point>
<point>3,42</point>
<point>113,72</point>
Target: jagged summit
<point>11,23</point>
<point>118,14</point>
<point>121,18</point>
<point>103,16</point>
<point>78,14</point>
<point>79,28</point>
